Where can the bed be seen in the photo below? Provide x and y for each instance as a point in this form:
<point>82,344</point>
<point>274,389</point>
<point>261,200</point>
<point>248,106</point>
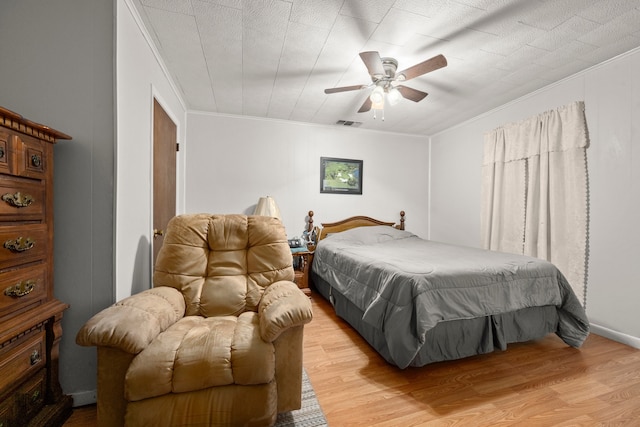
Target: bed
<point>418,301</point>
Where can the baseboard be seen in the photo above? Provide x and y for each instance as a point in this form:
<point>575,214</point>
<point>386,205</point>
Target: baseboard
<point>83,398</point>
<point>616,336</point>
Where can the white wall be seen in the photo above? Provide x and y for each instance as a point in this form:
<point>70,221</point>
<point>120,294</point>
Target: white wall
<point>140,77</point>
<point>611,92</point>
<point>232,161</point>
<point>57,69</point>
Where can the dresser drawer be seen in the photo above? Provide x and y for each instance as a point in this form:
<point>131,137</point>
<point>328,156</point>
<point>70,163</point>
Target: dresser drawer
<point>23,155</point>
<point>30,396</point>
<point>7,411</point>
<point>31,157</point>
<point>21,244</point>
<point>5,142</point>
<point>19,406</point>
<point>21,200</point>
<point>21,288</point>
<point>24,358</point>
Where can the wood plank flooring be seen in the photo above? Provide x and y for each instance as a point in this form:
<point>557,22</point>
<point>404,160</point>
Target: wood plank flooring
<point>543,383</point>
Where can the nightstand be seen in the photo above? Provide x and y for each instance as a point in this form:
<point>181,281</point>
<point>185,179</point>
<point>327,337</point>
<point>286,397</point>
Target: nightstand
<point>302,259</point>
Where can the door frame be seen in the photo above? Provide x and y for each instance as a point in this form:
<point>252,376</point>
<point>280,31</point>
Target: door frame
<point>180,159</point>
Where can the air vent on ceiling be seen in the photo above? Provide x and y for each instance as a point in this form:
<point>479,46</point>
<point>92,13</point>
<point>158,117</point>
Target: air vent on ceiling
<point>348,123</point>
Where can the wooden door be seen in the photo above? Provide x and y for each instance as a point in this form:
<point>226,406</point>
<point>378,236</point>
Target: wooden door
<point>164,174</point>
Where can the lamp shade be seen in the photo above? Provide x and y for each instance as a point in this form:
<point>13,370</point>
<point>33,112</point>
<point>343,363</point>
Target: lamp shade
<point>267,206</point>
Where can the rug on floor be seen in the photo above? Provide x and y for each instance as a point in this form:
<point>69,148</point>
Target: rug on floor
<point>309,415</point>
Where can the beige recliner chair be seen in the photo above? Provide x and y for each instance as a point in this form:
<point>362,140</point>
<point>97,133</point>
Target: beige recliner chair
<point>217,341</point>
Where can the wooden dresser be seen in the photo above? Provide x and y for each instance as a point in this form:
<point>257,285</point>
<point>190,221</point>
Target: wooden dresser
<point>30,316</point>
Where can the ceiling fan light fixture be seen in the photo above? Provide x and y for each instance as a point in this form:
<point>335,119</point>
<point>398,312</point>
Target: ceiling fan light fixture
<point>393,95</point>
<point>377,96</point>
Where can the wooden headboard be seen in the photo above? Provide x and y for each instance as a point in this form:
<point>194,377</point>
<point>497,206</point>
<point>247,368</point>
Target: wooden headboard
<point>352,222</point>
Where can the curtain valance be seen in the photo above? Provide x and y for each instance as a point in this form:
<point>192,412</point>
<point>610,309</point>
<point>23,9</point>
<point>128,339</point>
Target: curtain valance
<point>553,131</point>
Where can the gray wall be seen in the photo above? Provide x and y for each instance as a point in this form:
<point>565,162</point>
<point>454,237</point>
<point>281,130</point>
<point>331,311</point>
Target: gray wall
<point>57,69</point>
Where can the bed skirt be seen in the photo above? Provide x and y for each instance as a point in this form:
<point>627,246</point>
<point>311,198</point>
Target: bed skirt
<point>454,339</point>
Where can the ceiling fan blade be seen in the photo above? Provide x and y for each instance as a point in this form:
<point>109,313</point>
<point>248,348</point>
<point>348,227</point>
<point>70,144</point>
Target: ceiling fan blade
<point>373,62</point>
<point>366,106</point>
<point>344,88</point>
<point>411,94</point>
<point>422,68</point>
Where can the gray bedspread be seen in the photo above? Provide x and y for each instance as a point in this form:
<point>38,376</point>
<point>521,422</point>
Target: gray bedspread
<point>405,285</point>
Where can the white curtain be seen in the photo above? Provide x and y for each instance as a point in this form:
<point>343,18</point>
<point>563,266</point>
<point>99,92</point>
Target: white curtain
<point>535,191</point>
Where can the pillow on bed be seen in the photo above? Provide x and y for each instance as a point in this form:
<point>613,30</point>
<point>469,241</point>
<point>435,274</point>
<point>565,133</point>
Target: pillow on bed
<point>370,235</point>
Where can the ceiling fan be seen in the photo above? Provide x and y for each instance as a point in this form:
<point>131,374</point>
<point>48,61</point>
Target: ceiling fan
<point>385,80</point>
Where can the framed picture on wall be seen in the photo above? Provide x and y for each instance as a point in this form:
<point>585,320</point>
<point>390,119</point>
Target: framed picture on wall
<point>340,176</point>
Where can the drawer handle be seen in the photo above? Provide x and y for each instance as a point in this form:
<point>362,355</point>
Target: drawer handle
<point>35,358</point>
<point>20,289</point>
<point>20,244</point>
<point>18,199</point>
<point>36,160</point>
<point>1,156</point>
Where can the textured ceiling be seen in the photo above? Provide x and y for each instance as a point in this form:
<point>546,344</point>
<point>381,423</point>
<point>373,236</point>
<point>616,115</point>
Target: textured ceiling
<point>274,58</point>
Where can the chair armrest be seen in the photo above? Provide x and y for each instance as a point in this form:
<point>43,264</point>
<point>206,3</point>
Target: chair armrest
<point>282,306</point>
<point>131,324</point>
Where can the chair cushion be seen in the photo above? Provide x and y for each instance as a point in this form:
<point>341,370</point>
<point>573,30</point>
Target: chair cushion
<point>222,263</point>
<point>201,352</point>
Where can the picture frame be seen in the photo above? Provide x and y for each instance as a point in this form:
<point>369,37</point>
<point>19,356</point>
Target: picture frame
<point>340,176</point>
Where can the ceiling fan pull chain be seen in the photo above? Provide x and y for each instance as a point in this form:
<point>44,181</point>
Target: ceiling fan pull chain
<point>374,113</point>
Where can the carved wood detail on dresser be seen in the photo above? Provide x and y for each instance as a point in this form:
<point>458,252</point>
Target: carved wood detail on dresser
<point>30,316</point>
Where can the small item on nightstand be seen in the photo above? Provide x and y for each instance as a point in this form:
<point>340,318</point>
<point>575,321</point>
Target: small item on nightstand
<point>296,242</point>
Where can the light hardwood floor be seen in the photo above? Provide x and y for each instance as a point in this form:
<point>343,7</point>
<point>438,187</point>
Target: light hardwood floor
<point>544,383</point>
